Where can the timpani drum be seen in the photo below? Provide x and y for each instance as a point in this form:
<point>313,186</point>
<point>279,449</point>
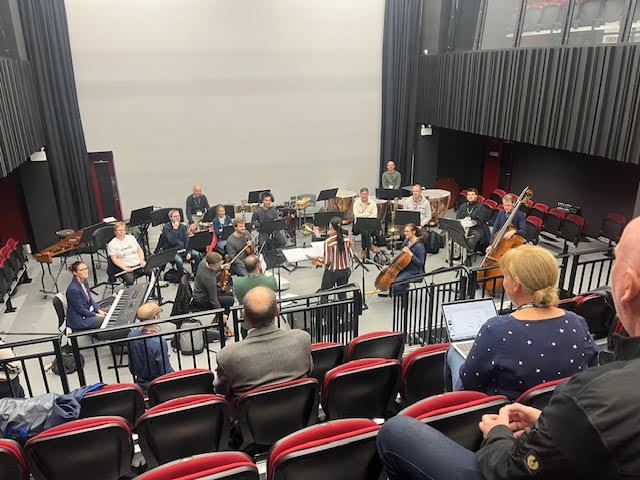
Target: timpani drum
<point>343,202</point>
<point>381,205</point>
<point>439,200</point>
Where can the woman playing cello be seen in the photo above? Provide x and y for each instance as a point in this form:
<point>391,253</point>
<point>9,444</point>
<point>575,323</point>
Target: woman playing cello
<point>409,263</point>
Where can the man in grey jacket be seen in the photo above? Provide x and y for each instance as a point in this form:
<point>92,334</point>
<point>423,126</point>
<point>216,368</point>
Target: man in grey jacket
<point>267,356</point>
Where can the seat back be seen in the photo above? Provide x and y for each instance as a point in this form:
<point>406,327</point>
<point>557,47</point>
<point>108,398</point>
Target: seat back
<point>497,195</point>
<point>183,427</point>
<point>364,388</point>
<point>422,373</point>
<point>269,413</point>
<point>598,310</point>
<point>124,400</point>
<point>572,228</point>
<point>612,226</point>
<point>457,414</point>
<point>12,464</point>
<point>376,345</point>
<point>326,355</point>
<point>539,395</point>
<point>533,225</point>
<point>99,448</point>
<point>339,450</point>
<point>179,384</point>
<point>553,220</point>
<point>102,236</point>
<point>539,210</point>
<point>59,301</point>
<point>221,465</point>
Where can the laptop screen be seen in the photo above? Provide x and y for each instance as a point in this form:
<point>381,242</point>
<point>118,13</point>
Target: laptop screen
<point>465,318</point>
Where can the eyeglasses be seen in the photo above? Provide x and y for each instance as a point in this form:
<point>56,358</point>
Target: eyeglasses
<point>83,269</point>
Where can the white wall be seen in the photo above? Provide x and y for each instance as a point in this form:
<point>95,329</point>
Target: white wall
<point>237,95</point>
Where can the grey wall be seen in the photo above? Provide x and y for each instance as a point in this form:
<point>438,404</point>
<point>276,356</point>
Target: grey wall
<point>236,95</point>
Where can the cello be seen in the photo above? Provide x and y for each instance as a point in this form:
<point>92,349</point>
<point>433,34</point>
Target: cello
<point>388,275</point>
<point>501,245</point>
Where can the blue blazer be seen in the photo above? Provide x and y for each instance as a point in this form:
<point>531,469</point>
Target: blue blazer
<point>79,315</point>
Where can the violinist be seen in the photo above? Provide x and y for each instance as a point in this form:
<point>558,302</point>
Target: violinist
<point>518,221</point>
<point>337,258</point>
<point>220,221</point>
<point>205,287</point>
<point>412,246</point>
<point>236,243</point>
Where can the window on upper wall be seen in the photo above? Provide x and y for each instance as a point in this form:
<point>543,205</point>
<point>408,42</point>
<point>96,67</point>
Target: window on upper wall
<point>634,35</point>
<point>597,21</point>
<point>500,24</point>
<point>466,24</point>
<point>543,23</point>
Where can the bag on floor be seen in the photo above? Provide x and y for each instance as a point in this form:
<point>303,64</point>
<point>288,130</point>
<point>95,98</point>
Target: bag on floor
<point>68,363</point>
<point>172,276</point>
<point>189,343</point>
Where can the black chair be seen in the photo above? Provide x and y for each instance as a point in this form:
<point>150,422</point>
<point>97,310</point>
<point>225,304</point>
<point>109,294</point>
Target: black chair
<point>179,384</point>
<point>553,221</point>
<point>12,464</point>
<point>99,448</point>
<point>183,427</point>
<point>540,395</point>
<point>267,414</point>
<point>376,345</point>
<point>124,400</point>
<point>612,226</point>
<point>101,237</point>
<point>422,373</point>
<point>337,450</point>
<point>326,355</point>
<point>207,466</point>
<point>457,414</point>
<point>532,226</point>
<point>365,388</point>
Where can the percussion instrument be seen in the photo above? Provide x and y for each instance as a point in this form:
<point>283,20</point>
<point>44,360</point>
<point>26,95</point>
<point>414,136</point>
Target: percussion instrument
<point>439,201</point>
<point>292,218</point>
<point>382,208</point>
<point>68,244</point>
<point>343,202</point>
<point>246,208</point>
<point>303,203</point>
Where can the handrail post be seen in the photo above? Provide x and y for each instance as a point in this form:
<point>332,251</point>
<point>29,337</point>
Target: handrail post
<point>63,375</point>
<point>572,275</point>
<point>77,358</point>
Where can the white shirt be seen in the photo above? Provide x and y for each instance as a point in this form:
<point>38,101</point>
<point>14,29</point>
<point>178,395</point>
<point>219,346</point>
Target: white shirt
<point>370,210</point>
<point>126,250</point>
<point>424,207</point>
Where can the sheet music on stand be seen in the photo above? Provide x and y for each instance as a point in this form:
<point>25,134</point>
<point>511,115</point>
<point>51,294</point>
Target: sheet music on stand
<point>304,253</point>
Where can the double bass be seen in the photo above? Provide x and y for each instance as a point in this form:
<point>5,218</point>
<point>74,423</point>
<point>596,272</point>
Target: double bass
<point>501,245</point>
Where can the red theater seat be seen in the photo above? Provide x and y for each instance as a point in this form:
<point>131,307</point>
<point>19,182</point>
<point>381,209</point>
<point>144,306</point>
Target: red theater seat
<point>172,385</point>
<point>376,345</point>
<point>422,373</point>
<point>326,355</point>
<point>12,464</point>
<point>124,400</point>
<point>208,466</point>
<point>497,195</point>
<point>539,396</point>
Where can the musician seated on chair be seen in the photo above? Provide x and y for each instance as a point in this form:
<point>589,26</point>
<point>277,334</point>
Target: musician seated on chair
<point>267,213</point>
<point>176,236</point>
<point>83,312</point>
<point>477,235</point>
<point>391,178</point>
<point>125,254</point>
<point>418,203</point>
<point>417,253</point>
<point>365,208</point>
<point>235,246</point>
<point>518,221</point>
<point>219,222</point>
<point>197,206</point>
<point>148,358</point>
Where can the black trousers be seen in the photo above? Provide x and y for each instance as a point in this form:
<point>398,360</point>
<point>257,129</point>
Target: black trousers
<point>332,279</point>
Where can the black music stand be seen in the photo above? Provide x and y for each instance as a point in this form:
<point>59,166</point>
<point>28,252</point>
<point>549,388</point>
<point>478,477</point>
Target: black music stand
<point>322,219</point>
<point>362,265</point>
<point>87,239</point>
<point>256,195</point>
<point>230,210</point>
<point>275,259</point>
<point>199,241</point>
<point>209,215</point>
<point>227,231</point>
<point>390,194</point>
<point>456,231</point>
<point>141,218</point>
<point>407,216</point>
<point>155,263</point>
<point>270,226</point>
<point>365,225</point>
<point>327,194</point>
<point>161,216</point>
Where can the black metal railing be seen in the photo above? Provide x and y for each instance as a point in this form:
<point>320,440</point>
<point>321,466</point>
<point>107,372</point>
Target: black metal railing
<point>586,274</point>
<point>417,303</point>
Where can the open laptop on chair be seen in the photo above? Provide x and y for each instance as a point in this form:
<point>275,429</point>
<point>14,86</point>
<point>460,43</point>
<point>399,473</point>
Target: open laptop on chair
<point>464,319</point>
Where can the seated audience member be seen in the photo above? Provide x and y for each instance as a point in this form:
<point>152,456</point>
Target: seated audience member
<point>220,221</point>
<point>176,236</point>
<point>205,287</point>
<point>236,242</point>
<point>147,362</point>
<point>197,205</point>
<point>536,343</point>
<point>478,235</point>
<point>588,430</point>
<point>268,355</point>
<point>255,277</point>
<point>125,254</point>
<point>9,371</point>
<point>83,312</point>
<point>501,219</point>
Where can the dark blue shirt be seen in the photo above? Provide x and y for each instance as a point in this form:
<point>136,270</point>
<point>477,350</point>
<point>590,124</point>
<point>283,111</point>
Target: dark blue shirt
<point>518,222</point>
<point>175,237</point>
<point>416,266</point>
<point>219,225</point>
<point>510,356</point>
<point>81,309</point>
<point>148,364</point>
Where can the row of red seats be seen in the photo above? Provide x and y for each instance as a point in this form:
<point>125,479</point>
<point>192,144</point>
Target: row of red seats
<point>12,262</point>
<point>172,432</point>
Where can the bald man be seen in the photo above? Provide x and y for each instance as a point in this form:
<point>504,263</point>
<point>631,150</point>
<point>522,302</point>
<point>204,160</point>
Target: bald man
<point>148,363</point>
<point>197,205</point>
<point>268,355</point>
<point>590,429</point>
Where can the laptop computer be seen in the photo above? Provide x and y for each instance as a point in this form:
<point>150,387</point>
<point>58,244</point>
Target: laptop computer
<point>464,319</point>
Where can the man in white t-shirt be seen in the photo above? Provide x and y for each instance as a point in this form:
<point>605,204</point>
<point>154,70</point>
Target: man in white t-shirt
<point>125,254</point>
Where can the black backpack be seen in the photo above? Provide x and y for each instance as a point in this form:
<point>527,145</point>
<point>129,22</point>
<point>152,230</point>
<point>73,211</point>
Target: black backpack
<point>433,242</point>
<point>68,363</point>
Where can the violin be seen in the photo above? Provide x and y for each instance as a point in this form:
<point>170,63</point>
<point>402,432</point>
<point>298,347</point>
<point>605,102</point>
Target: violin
<point>250,248</point>
<point>501,245</point>
<point>224,280</point>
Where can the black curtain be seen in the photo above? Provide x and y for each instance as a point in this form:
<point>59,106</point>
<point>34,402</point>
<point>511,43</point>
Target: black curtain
<point>44,24</point>
<point>400,59</point>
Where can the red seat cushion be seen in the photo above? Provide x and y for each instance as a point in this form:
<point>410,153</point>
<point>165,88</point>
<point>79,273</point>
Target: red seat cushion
<point>188,401</point>
<point>181,373</point>
<point>576,219</point>
<point>83,424</point>
<point>321,345</point>
<point>321,434</point>
<point>540,387</point>
<point>557,212</point>
<point>616,217</point>
<point>541,206</point>
<point>199,466</point>
<point>537,221</point>
<point>278,385</point>
<point>112,387</point>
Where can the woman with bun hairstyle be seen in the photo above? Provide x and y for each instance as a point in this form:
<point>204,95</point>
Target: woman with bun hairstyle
<point>83,312</point>
<point>536,343</point>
